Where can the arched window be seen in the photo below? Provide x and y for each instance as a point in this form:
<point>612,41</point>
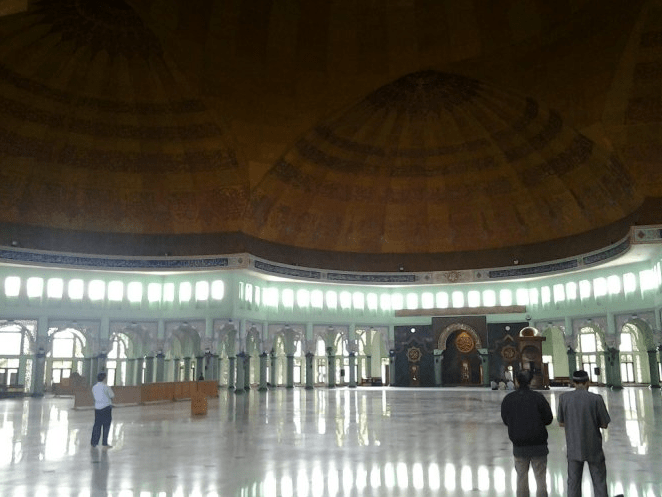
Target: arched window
<point>116,361</point>
<point>66,354</point>
<point>590,343</point>
<point>633,356</point>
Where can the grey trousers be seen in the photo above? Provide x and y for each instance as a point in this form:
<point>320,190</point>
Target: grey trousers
<point>598,469</point>
<point>539,466</point>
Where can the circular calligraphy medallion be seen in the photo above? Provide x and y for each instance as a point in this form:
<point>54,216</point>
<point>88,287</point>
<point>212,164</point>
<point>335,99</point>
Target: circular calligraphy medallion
<point>464,342</point>
<point>414,354</point>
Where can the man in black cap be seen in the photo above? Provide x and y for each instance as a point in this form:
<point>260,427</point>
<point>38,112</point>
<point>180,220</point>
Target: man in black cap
<point>582,414</point>
<point>526,413</point>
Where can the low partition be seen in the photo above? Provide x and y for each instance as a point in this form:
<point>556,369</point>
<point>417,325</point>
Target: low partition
<point>152,392</point>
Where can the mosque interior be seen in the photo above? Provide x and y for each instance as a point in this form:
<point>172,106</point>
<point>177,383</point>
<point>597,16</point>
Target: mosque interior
<point>355,213</point>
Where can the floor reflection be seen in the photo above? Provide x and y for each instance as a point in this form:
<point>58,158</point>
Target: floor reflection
<point>295,442</point>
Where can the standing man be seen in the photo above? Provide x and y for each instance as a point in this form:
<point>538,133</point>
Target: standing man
<point>527,413</point>
<point>582,414</point>
<point>103,406</point>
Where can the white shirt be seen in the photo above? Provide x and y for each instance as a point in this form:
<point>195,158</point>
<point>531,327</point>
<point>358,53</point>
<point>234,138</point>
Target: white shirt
<point>103,395</point>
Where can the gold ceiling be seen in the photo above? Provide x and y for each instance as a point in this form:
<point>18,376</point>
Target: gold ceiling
<point>326,132</point>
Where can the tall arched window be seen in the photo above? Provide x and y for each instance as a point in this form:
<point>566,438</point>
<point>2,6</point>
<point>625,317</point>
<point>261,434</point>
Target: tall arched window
<point>633,356</point>
<point>66,354</point>
<point>116,363</point>
<point>590,343</point>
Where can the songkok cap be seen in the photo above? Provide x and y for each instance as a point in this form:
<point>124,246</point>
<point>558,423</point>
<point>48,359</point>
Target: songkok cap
<point>580,376</point>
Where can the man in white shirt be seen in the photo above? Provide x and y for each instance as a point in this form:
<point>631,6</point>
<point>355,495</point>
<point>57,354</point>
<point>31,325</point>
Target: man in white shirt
<point>103,406</point>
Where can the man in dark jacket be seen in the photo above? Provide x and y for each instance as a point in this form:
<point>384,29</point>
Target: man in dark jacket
<point>526,413</point>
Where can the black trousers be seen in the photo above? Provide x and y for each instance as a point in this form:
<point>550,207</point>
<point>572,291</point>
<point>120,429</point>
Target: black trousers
<point>102,419</point>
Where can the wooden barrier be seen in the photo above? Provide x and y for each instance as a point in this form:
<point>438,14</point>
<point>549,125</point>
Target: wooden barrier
<point>68,386</point>
<point>152,392</point>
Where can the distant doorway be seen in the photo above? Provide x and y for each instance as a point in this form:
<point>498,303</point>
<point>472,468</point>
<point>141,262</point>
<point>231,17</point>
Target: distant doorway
<point>461,364</point>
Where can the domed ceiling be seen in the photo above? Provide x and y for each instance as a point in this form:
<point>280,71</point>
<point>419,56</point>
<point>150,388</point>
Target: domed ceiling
<point>100,132</point>
<point>440,163</point>
<point>428,134</point>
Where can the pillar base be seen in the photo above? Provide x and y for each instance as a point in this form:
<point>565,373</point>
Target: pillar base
<point>655,386</point>
<point>309,388</point>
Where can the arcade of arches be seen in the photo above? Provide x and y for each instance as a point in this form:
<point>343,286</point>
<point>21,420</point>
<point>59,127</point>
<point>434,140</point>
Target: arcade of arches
<point>49,342</point>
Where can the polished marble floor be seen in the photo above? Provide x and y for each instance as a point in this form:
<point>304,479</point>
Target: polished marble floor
<point>368,441</point>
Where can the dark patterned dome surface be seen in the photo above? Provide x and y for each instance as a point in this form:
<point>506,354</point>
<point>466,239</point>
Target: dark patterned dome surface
<point>355,135</point>
<point>100,132</point>
<point>437,162</point>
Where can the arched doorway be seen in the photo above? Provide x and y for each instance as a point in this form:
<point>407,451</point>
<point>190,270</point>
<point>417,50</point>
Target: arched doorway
<point>461,365</point>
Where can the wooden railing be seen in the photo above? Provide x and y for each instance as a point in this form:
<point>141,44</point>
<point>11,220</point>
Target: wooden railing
<point>152,392</point>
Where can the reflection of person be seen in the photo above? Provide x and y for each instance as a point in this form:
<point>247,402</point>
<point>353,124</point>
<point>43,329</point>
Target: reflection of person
<point>103,406</point>
<point>583,413</point>
<point>526,413</point>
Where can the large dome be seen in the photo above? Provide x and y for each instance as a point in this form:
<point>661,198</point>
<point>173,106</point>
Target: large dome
<point>429,135</point>
<point>437,163</point>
